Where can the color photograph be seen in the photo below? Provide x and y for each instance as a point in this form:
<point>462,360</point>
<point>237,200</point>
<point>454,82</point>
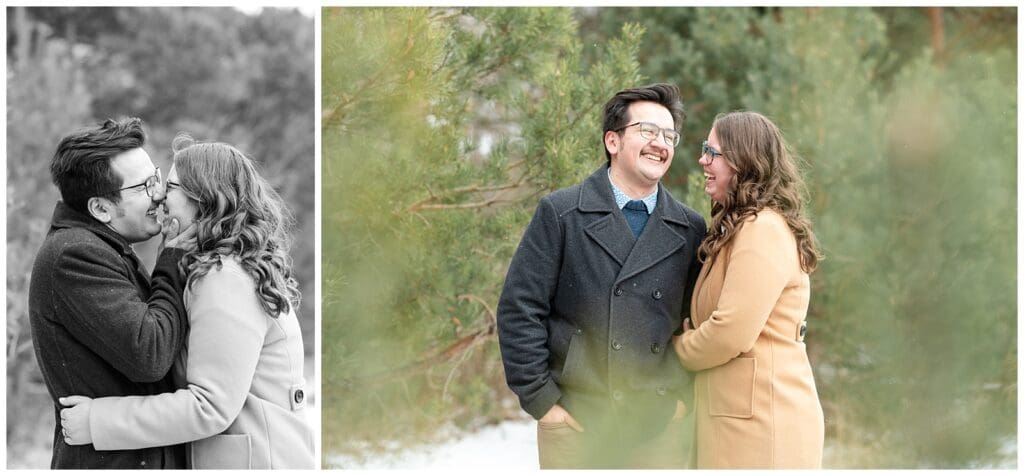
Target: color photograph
<point>689,237</point>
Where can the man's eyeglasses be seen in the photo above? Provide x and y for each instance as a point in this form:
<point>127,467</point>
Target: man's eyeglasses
<point>151,184</point>
<point>652,131</point>
<point>706,149</point>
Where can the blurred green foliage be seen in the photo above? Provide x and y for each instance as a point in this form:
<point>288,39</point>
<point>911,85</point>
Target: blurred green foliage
<point>439,136</point>
<point>442,127</point>
<point>216,73</point>
<point>909,154</point>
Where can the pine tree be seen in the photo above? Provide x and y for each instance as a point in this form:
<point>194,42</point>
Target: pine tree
<point>441,130</point>
<point>909,160</point>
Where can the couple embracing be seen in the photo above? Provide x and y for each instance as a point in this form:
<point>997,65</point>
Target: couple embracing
<point>197,365</point>
<point>640,337</point>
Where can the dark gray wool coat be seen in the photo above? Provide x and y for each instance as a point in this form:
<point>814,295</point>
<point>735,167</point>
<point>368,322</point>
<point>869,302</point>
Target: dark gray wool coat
<point>587,311</point>
<point>101,328</point>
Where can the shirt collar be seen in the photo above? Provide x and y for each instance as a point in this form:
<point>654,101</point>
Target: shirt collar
<point>621,198</point>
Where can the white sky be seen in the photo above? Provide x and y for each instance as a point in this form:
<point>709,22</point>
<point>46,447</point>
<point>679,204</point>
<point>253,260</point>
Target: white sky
<point>307,9</point>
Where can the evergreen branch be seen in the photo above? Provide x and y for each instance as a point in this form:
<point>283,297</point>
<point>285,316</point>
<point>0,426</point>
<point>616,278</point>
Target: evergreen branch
<point>451,374</point>
<point>460,349</point>
<point>458,190</point>
<point>456,349</point>
<point>348,100</point>
<point>581,115</point>
<point>480,188</point>
<point>426,203</point>
<point>459,206</point>
<point>473,297</point>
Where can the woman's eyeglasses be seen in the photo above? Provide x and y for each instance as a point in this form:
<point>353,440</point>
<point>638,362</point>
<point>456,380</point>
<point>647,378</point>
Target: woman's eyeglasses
<point>706,149</point>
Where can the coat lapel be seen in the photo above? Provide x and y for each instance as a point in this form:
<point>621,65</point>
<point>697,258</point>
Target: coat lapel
<point>610,232</point>
<point>660,237</point>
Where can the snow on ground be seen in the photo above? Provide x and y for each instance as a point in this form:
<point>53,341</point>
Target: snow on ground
<point>509,445</point>
<point>512,445</point>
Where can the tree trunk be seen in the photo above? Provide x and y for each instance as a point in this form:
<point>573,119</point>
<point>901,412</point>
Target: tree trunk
<point>938,35</point>
<point>22,35</point>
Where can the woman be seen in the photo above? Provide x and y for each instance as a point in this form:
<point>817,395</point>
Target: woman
<point>756,404</point>
<point>241,402</point>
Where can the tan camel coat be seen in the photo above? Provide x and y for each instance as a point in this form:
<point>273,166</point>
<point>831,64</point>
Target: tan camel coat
<point>756,404</point>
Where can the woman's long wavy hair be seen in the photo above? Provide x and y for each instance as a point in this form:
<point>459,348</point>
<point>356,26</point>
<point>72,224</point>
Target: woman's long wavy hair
<point>766,177</point>
<point>239,214</point>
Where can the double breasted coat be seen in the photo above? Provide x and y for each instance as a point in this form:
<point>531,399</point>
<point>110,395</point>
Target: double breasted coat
<point>100,327</point>
<point>242,401</point>
<point>756,404</point>
<point>587,311</point>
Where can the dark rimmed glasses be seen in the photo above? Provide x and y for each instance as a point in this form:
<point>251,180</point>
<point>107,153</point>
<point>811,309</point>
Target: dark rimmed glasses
<point>706,150</point>
<point>651,131</point>
<point>151,184</point>
<point>177,185</point>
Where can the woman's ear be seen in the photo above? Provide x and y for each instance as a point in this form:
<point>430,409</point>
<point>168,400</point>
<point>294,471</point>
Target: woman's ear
<point>101,209</point>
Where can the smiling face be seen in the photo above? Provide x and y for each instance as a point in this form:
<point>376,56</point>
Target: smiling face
<point>718,172</point>
<point>178,204</point>
<point>637,164</point>
<point>134,217</point>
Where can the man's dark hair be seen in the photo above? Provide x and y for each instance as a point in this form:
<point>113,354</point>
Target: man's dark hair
<point>616,109</point>
<point>81,166</point>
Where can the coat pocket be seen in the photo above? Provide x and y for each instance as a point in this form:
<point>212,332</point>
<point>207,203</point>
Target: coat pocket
<point>570,369</point>
<point>731,388</point>
<point>222,452</point>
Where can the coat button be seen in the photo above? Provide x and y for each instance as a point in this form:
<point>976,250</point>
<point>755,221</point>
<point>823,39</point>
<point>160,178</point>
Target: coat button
<point>656,347</point>
<point>616,345</point>
<point>579,332</point>
<point>299,396</point>
<point>661,390</point>
<point>617,395</point>
<point>618,291</point>
<point>656,294</point>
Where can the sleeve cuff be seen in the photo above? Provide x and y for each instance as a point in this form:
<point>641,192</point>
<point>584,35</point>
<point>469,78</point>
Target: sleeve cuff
<point>102,409</point>
<point>545,398</point>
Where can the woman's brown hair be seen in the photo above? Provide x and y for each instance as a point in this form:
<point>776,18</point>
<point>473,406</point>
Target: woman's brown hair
<point>240,215</point>
<point>766,177</point>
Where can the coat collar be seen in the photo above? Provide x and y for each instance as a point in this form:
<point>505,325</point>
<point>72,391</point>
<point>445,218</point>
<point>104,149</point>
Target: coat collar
<point>659,239</point>
<point>596,196</point>
<point>66,217</point>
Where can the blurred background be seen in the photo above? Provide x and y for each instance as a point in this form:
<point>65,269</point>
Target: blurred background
<point>442,127</point>
<point>220,74</point>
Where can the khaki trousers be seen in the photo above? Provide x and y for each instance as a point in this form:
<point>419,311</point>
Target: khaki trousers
<point>559,446</point>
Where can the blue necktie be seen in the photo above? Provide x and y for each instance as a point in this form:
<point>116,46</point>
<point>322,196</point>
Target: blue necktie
<point>636,215</point>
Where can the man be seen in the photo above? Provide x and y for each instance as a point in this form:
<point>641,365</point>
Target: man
<point>100,326</point>
<point>599,283</point>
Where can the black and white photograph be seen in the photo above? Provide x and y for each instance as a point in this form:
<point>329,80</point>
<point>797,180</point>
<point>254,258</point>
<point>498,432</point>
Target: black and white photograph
<point>161,238</point>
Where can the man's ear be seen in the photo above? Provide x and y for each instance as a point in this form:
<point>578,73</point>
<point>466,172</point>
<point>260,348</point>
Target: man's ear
<point>612,142</point>
<point>101,209</point>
